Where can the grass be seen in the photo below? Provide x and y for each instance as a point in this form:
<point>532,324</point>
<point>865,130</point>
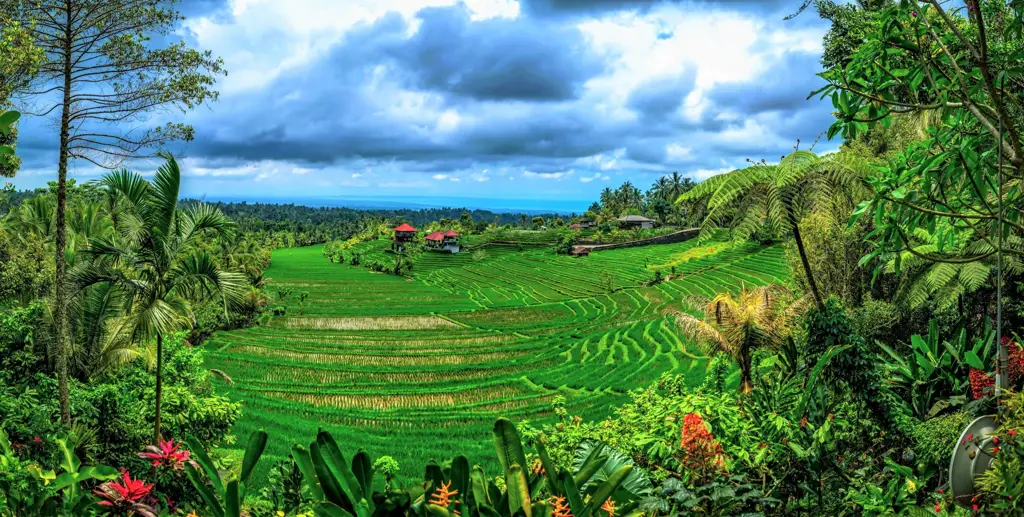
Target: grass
<point>419,368</point>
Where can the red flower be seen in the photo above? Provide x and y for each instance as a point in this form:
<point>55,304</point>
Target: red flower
<point>1012,432</point>
<point>167,454</point>
<point>126,494</point>
<point>995,439</point>
<point>700,452</point>
<point>803,422</point>
<point>981,382</point>
<point>941,491</point>
<point>995,450</point>
<point>974,507</point>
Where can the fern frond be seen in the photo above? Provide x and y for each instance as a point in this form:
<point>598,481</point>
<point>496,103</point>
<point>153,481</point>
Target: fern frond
<point>974,274</point>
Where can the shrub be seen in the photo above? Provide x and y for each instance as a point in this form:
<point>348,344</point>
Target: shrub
<point>933,439</point>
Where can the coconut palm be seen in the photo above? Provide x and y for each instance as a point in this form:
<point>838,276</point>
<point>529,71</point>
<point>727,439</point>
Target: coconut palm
<point>737,325</point>
<point>776,197</point>
<point>154,261</point>
<point>675,185</point>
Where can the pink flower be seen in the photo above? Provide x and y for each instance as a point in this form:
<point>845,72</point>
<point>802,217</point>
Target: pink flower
<point>36,439</point>
<point>168,454</point>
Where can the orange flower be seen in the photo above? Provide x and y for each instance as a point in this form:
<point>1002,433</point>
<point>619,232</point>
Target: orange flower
<point>609,506</point>
<point>537,468</point>
<point>442,496</point>
<point>559,507</point>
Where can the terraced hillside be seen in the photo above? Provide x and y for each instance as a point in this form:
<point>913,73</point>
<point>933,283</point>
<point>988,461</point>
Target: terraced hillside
<point>430,362</point>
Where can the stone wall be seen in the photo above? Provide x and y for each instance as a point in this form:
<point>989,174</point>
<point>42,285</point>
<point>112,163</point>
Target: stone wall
<point>680,236</point>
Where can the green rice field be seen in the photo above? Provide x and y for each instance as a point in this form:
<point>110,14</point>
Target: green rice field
<point>413,367</point>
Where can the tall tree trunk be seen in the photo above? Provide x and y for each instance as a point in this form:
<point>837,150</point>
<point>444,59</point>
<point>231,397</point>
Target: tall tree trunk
<point>60,238</point>
<point>746,378</point>
<point>803,256</point>
<point>159,385</point>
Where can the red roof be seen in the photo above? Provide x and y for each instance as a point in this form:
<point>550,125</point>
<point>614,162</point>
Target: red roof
<point>451,233</point>
<point>436,236</point>
<point>404,227</point>
<point>574,227</point>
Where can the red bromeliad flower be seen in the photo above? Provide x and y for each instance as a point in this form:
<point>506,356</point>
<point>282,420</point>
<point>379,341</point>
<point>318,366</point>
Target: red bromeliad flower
<point>168,454</point>
<point>126,495</point>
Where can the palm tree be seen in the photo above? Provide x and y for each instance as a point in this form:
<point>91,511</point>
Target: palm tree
<point>677,186</point>
<point>154,261</point>
<point>757,318</point>
<point>776,197</point>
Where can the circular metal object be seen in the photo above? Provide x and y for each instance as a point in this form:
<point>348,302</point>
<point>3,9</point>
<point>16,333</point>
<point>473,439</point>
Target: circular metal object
<point>972,455</point>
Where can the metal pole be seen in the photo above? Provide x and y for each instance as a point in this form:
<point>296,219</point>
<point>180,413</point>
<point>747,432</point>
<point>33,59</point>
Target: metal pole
<point>1002,371</point>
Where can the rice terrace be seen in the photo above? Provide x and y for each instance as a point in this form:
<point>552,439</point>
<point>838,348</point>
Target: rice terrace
<point>430,361</point>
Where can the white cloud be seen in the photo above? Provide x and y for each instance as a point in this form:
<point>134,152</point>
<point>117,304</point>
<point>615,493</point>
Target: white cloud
<point>677,153</point>
<point>301,170</point>
<point>596,176</point>
<point>703,174</point>
<point>548,175</point>
<point>449,177</point>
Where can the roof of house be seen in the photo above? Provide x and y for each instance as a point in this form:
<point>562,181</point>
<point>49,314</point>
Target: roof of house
<point>574,227</point>
<point>580,250</point>
<point>404,227</point>
<point>451,233</point>
<point>635,219</point>
<point>436,236</point>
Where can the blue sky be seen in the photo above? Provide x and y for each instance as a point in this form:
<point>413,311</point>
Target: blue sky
<point>553,99</point>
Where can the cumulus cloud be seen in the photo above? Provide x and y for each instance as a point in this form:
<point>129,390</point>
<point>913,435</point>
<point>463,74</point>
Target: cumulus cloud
<point>378,96</point>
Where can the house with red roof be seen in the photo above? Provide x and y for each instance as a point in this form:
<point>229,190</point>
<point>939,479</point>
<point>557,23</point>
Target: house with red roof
<point>450,241</point>
<point>404,234</point>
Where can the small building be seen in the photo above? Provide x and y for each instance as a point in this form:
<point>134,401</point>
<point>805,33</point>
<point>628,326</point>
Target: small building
<point>587,223</point>
<point>635,221</point>
<point>404,234</point>
<point>450,241</point>
<point>575,226</point>
<point>435,239</point>
<point>580,251</point>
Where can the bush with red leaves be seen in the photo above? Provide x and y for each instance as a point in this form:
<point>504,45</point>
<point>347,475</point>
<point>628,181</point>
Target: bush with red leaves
<point>700,452</point>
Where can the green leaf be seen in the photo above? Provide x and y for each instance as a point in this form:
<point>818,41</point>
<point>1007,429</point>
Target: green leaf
<point>7,119</point>
<point>232,502</point>
<point>572,494</point>
<point>362,469</point>
<point>479,486</point>
<point>508,445</point>
<point>204,491</point>
<point>328,481</point>
<point>812,379</point>
<point>328,509</point>
<point>253,451</point>
<point>203,459</point>
<point>518,491</point>
<point>305,464</point>
<point>549,468</point>
<point>606,490</point>
<point>459,478</point>
<point>973,360</point>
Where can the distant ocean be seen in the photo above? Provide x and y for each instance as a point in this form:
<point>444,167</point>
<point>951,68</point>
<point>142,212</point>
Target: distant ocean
<point>498,205</point>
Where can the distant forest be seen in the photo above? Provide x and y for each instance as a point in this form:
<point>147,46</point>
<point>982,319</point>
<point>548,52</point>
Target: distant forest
<point>304,225</point>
